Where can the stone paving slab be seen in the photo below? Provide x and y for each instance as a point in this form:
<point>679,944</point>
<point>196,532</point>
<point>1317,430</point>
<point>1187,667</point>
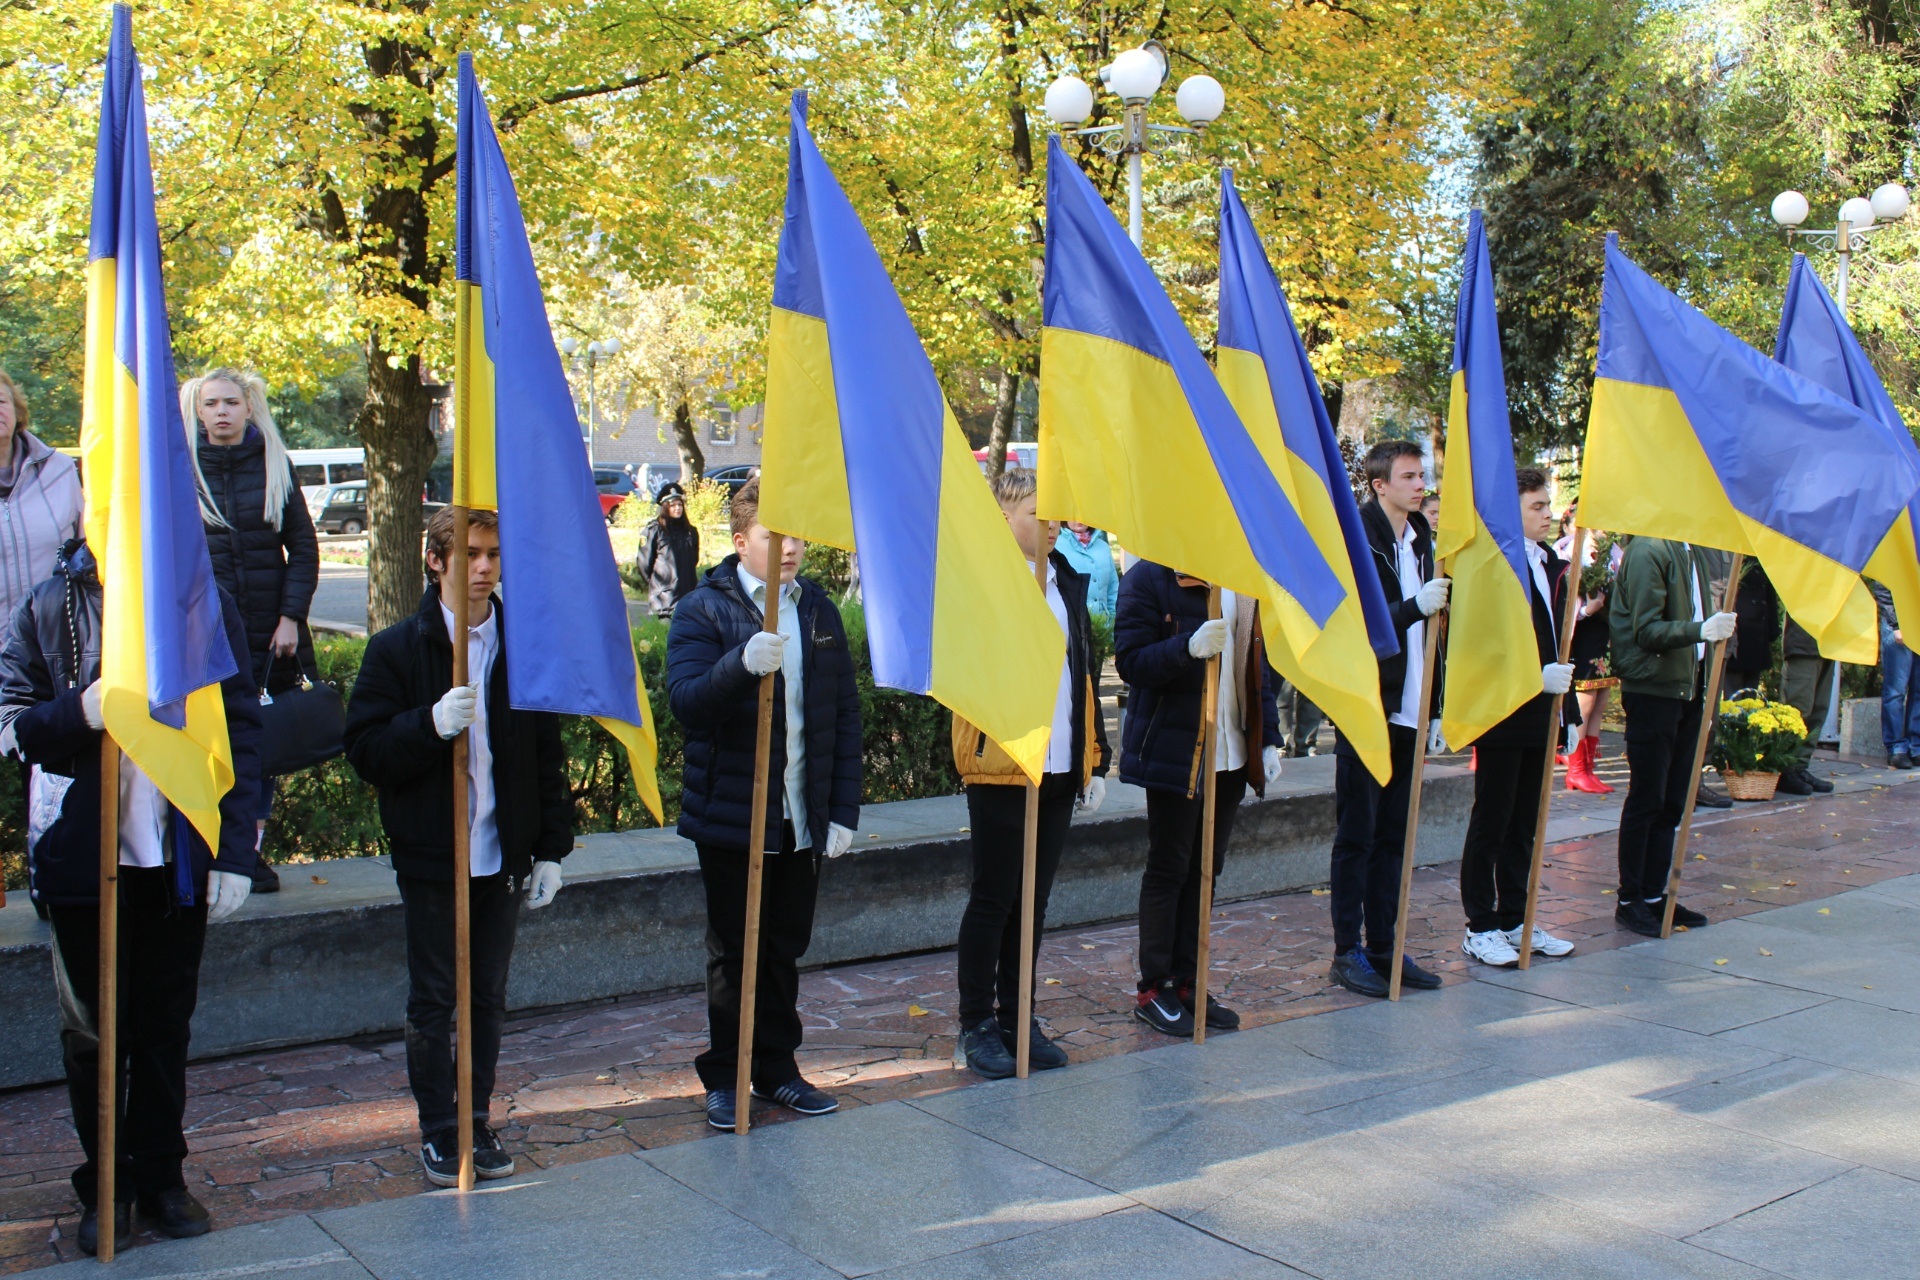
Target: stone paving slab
<point>293,1248</point>
<point>1843,1033</point>
<point>1865,1119</point>
<point>1882,975</point>
<point>1862,1225</point>
<point>1099,1249</point>
<point>1637,985</point>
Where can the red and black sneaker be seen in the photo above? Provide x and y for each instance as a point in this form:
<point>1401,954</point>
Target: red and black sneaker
<point>1161,1009</point>
<point>1219,1017</point>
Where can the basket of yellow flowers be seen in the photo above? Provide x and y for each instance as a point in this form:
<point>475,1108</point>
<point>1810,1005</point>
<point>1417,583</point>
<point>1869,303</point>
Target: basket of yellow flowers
<point>1753,742</point>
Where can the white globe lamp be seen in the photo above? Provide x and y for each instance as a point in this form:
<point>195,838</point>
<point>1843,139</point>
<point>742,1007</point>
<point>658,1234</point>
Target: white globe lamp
<point>1857,213</point>
<point>1069,101</point>
<point>1790,209</point>
<point>1889,202</point>
<point>1200,100</point>
<point>1135,75</point>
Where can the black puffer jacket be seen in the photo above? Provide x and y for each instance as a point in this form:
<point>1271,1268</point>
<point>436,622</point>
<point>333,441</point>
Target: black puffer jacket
<point>718,702</point>
<point>52,654</point>
<point>270,573</point>
<point>391,742</point>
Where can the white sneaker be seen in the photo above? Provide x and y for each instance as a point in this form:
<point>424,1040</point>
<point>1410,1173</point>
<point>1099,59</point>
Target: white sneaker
<point>1492,947</point>
<point>1544,943</point>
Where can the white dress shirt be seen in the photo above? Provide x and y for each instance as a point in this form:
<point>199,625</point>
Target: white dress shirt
<point>1693,582</point>
<point>483,840</point>
<point>1060,743</point>
<point>1407,565</point>
<point>1229,721</point>
<point>143,818</point>
<point>1537,561</point>
<point>793,798</point>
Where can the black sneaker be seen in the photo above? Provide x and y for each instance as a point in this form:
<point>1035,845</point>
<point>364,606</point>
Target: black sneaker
<point>1682,917</point>
<point>1642,918</point>
<point>440,1157</point>
<point>1352,970</point>
<point>1706,797</point>
<point>88,1237</point>
<point>720,1111</point>
<point>490,1159</point>
<point>1817,782</point>
<point>1219,1017</point>
<point>1161,1009</point>
<point>1795,782</point>
<point>1411,974</point>
<point>797,1095</point>
<point>1042,1053</point>
<point>265,878</point>
<point>987,1053</point>
<point>1900,760</point>
<point>175,1213</point>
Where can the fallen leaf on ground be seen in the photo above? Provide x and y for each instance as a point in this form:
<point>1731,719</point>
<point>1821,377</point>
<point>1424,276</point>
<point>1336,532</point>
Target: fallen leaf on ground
<point>1826,911</point>
<point>1053,982</point>
<point>915,1011</point>
<point>1606,891</point>
<point>1719,961</point>
<point>1728,886</point>
<point>1699,857</point>
<point>1321,893</point>
<point>1765,952</point>
<point>318,879</point>
<point>1792,884</point>
<point>1086,946</point>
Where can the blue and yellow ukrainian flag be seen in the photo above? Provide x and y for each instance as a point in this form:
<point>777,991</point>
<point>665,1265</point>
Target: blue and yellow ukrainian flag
<point>1817,342</point>
<point>861,452</point>
<point>518,451</point>
<point>1137,438</point>
<point>1491,651</point>
<point>1697,437</point>
<point>163,649</point>
<point>1263,368</point>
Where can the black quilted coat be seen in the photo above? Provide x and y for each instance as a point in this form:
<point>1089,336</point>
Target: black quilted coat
<point>270,573</point>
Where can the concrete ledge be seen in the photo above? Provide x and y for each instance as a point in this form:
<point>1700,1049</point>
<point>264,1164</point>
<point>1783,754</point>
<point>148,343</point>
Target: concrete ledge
<point>325,958</point>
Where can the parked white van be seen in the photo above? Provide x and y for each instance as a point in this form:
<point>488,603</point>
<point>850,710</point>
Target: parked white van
<point>316,470</point>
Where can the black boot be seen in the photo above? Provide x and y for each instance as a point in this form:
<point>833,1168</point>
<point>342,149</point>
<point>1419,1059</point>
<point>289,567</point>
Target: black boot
<point>89,1233</point>
<point>174,1212</point>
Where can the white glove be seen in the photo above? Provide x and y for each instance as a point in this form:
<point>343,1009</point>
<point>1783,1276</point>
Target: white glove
<point>1432,596</point>
<point>90,707</point>
<point>763,653</point>
<point>1093,797</point>
<point>1436,741</point>
<point>456,710</point>
<point>1717,628</point>
<point>542,884</point>
<point>839,839</point>
<point>1210,641</point>
<point>1270,763</point>
<point>225,892</point>
<point>1556,677</point>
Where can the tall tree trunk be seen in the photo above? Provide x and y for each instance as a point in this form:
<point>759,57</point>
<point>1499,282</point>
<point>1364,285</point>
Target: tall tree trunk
<point>1333,394</point>
<point>400,450</point>
<point>1006,399</point>
<point>693,463</point>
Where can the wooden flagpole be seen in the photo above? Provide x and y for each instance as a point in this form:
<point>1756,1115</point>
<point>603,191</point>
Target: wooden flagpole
<point>1030,854</point>
<point>106,1013</point>
<point>757,844</point>
<point>456,571</point>
<point>1209,801</point>
<point>1435,625</point>
<point>1709,705</point>
<point>1553,738</point>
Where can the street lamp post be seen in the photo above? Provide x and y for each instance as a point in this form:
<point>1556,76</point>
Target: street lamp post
<point>596,351</point>
<point>1860,217</point>
<point>1135,76</point>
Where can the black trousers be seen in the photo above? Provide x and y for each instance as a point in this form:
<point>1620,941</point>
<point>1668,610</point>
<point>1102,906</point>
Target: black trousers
<point>1170,886</point>
<point>790,881</point>
<point>494,909</point>
<point>989,951</point>
<point>1498,856</point>
<point>1660,738</point>
<point>159,984</point>
<point>1370,826</point>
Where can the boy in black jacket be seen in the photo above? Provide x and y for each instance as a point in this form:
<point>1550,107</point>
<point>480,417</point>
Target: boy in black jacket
<point>401,722</point>
<point>1162,640</point>
<point>170,886</point>
<point>716,656</point>
<point>1497,860</point>
<point>1370,819</point>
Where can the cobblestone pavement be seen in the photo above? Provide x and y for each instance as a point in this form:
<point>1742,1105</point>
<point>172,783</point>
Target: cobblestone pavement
<point>332,1125</point>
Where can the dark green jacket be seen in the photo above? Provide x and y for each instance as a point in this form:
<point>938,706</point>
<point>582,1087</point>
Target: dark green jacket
<point>1651,618</point>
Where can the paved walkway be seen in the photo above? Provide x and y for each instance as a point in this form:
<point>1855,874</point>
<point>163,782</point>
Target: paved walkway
<point>303,1131</point>
<point>1742,1101</point>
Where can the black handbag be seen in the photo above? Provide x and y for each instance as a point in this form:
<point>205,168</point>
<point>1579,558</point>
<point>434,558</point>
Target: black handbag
<point>301,726</point>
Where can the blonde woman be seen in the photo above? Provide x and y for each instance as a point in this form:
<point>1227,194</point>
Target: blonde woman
<point>259,533</point>
<point>40,501</point>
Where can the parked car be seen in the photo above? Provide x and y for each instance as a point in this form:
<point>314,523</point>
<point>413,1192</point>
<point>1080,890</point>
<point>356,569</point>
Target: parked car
<point>735,477</point>
<point>1021,455</point>
<point>343,509</point>
<point>614,486</point>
